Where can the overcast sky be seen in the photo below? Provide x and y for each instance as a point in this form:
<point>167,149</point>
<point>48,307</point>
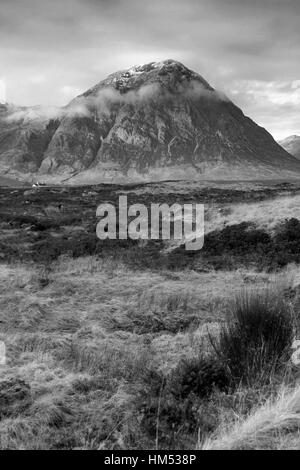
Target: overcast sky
<point>51,50</point>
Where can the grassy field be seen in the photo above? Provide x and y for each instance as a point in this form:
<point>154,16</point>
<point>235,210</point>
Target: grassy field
<point>110,345</point>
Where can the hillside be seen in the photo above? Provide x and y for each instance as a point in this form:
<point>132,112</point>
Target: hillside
<point>153,122</point>
<point>292,145</point>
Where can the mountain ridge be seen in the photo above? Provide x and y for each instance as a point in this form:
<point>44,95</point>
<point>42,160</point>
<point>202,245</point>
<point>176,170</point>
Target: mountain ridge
<point>155,121</point>
<point>292,145</point>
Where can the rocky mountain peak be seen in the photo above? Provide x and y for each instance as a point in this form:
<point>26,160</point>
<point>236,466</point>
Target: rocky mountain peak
<point>150,122</point>
<point>168,74</point>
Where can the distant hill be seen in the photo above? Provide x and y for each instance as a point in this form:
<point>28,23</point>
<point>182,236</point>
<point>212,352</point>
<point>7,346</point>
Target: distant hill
<point>157,121</point>
<point>4,181</point>
<point>292,145</point>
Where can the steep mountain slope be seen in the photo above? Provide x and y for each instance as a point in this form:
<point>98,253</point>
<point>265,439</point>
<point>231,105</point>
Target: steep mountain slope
<point>153,122</point>
<point>292,145</point>
<point>25,134</point>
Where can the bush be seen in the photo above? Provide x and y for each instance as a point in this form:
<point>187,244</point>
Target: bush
<point>289,233</point>
<point>237,239</point>
<point>255,341</point>
<point>174,407</point>
<point>37,223</point>
<point>200,376</point>
<point>168,421</point>
<point>243,245</point>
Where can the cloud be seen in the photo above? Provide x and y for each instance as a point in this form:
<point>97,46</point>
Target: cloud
<point>197,90</point>
<point>69,91</point>
<point>278,93</point>
<point>37,79</point>
<point>2,91</point>
<point>275,104</point>
<point>106,97</point>
<point>41,113</point>
<point>103,100</point>
<point>79,42</point>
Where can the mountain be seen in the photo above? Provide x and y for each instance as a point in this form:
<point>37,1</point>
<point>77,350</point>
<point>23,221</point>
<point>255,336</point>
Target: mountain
<point>10,182</point>
<point>292,145</point>
<point>25,134</point>
<point>151,122</point>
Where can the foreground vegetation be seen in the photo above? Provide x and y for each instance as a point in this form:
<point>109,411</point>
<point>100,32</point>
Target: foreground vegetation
<point>113,358</point>
<point>136,346</point>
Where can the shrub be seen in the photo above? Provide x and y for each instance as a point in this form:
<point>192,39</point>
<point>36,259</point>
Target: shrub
<point>243,244</point>
<point>256,339</point>
<point>289,233</point>
<point>238,239</point>
<point>174,407</point>
<point>167,420</point>
<point>200,376</point>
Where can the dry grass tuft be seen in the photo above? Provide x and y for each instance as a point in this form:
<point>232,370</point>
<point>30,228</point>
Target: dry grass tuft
<point>276,425</point>
<point>255,341</point>
<point>84,334</point>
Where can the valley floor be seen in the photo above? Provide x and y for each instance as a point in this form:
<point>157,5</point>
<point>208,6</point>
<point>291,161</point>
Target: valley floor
<point>93,334</point>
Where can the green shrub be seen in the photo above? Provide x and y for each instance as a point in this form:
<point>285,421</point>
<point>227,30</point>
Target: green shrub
<point>173,407</point>
<point>169,421</point>
<point>200,376</point>
<point>237,239</point>
<point>255,341</point>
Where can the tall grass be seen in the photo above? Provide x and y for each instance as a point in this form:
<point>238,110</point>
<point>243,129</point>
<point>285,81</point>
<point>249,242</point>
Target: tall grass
<point>255,341</point>
<point>274,426</point>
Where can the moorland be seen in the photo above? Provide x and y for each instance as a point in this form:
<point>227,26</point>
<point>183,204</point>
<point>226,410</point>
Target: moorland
<point>128,344</point>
